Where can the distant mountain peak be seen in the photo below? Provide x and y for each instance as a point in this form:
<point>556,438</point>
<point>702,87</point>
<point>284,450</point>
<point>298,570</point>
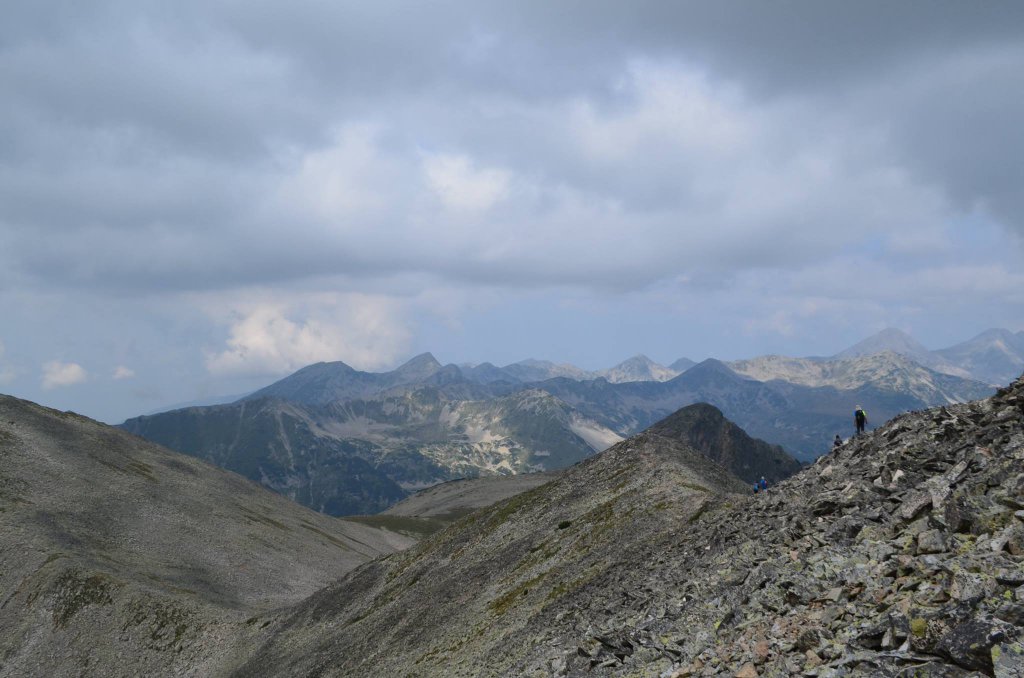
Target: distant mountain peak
<point>889,339</point>
<point>424,362</point>
<point>638,368</point>
<point>682,365</point>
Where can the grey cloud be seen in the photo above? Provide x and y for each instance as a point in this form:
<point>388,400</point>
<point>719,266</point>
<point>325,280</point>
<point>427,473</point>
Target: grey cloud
<point>143,140</point>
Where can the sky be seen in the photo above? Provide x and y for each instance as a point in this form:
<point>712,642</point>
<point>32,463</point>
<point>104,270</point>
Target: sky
<point>200,197</point>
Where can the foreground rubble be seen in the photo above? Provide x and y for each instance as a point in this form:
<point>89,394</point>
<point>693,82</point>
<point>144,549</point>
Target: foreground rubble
<point>900,554</point>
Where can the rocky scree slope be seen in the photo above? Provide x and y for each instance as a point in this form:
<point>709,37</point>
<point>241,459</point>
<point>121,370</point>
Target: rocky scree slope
<point>119,557</point>
<point>899,554</point>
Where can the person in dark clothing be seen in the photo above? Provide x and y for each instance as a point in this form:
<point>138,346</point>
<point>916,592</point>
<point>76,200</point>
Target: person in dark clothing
<point>755,488</point>
<point>837,443</point>
<point>763,484</point>
<point>860,418</point>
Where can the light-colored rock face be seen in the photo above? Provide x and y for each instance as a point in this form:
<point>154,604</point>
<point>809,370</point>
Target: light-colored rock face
<point>995,356</point>
<point>901,553</point>
<point>882,370</point>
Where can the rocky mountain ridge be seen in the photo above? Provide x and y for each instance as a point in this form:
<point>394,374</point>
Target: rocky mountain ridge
<point>901,553</point>
<point>344,441</point>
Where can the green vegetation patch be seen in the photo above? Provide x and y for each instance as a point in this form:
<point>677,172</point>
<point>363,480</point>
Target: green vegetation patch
<point>75,591</point>
<point>166,624</point>
<point>144,470</point>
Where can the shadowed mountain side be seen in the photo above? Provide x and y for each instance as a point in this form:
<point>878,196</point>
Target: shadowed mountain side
<point>471,600</point>
<point>118,556</point>
<point>279,445</point>
<point>705,428</point>
<point>360,456</point>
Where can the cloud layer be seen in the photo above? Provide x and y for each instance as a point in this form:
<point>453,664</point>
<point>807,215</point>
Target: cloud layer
<point>346,180</point>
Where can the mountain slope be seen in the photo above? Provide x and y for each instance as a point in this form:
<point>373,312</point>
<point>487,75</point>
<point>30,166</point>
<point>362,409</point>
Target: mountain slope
<point>705,428</point>
<point>457,498</point>
<point>900,554</point>
<point>119,557</point>
<point>279,445</point>
<point>682,365</point>
<point>995,356</point>
<point>508,572</point>
<point>362,455</point>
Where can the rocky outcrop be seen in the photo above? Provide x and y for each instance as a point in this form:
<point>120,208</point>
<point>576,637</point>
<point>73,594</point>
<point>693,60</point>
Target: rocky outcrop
<point>706,429</point>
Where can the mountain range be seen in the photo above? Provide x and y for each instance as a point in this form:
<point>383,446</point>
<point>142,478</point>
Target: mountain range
<point>343,441</point>
<point>900,553</point>
<point>361,455</point>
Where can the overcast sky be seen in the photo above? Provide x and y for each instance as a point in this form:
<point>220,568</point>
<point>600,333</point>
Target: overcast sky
<point>199,197</point>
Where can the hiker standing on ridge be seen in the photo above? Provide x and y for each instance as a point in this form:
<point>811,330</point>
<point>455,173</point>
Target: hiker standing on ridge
<point>837,443</point>
<point>763,484</point>
<point>860,418</point>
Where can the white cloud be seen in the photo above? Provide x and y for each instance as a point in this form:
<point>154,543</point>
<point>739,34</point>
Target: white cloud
<point>122,372</point>
<point>348,178</point>
<point>275,338</point>
<point>56,373</point>
<point>461,186</point>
